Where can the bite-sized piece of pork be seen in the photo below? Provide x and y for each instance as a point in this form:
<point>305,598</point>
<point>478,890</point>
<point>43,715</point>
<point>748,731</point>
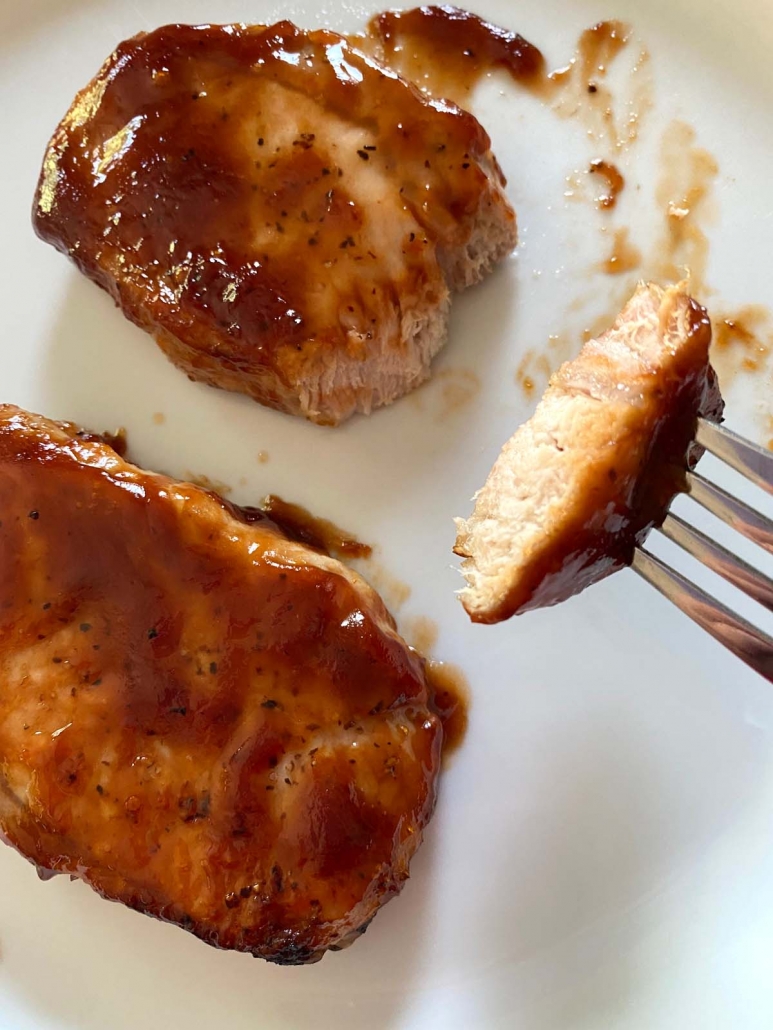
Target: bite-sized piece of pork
<point>596,467</point>
<point>285,215</point>
<point>199,717</point>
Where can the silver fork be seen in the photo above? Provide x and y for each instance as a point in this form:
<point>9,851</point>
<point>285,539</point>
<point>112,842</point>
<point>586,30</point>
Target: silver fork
<point>745,640</point>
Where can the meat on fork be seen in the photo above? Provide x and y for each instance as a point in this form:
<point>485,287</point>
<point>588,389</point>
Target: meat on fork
<point>285,215</point>
<point>596,467</point>
<point>201,718</point>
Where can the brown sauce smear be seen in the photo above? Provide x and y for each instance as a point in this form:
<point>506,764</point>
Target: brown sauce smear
<point>299,524</point>
<point>450,694</point>
<point>613,179</point>
<point>535,368</point>
<point>586,72</point>
<point>583,89</point>
<point>741,332</point>
<point>525,381</point>
<point>597,49</point>
<point>446,50</point>
<point>421,633</point>
<point>683,194</point>
<point>393,591</point>
<point>448,686</point>
<point>624,257</point>
<point>743,342</point>
<point>448,392</point>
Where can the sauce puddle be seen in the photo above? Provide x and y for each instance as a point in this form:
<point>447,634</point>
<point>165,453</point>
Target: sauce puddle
<point>298,524</point>
<point>448,686</point>
<point>450,693</point>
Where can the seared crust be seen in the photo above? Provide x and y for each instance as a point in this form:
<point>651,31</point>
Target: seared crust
<point>286,216</point>
<point>596,467</point>
<point>201,719</point>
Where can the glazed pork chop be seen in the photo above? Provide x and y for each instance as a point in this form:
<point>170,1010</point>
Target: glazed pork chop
<point>596,467</point>
<point>284,214</point>
<point>199,717</point>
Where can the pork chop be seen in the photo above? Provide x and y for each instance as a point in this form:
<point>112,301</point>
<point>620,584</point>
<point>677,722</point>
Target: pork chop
<point>596,467</point>
<point>200,718</point>
<point>284,214</point>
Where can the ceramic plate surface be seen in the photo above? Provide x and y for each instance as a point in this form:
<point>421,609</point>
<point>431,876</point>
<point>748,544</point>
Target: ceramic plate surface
<point>602,853</point>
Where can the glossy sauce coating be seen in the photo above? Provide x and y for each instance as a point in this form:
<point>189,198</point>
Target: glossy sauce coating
<point>449,691</point>
<point>200,718</point>
<point>266,201</point>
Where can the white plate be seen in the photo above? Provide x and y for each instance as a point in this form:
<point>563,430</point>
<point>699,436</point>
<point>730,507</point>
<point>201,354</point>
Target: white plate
<point>601,856</point>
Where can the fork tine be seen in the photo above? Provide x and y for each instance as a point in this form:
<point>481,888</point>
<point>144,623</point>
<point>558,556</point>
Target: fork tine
<point>740,516</point>
<point>748,643</point>
<point>717,558</point>
<point>745,457</point>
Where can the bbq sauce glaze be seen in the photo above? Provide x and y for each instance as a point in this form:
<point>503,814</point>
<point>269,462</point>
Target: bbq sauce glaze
<point>196,718</point>
<point>230,187</point>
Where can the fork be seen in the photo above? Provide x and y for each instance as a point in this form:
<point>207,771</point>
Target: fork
<point>745,640</point>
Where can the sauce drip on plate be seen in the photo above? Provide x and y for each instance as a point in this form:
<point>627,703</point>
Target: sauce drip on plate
<point>298,523</point>
<point>446,50</point>
<point>450,694</point>
<point>613,179</point>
